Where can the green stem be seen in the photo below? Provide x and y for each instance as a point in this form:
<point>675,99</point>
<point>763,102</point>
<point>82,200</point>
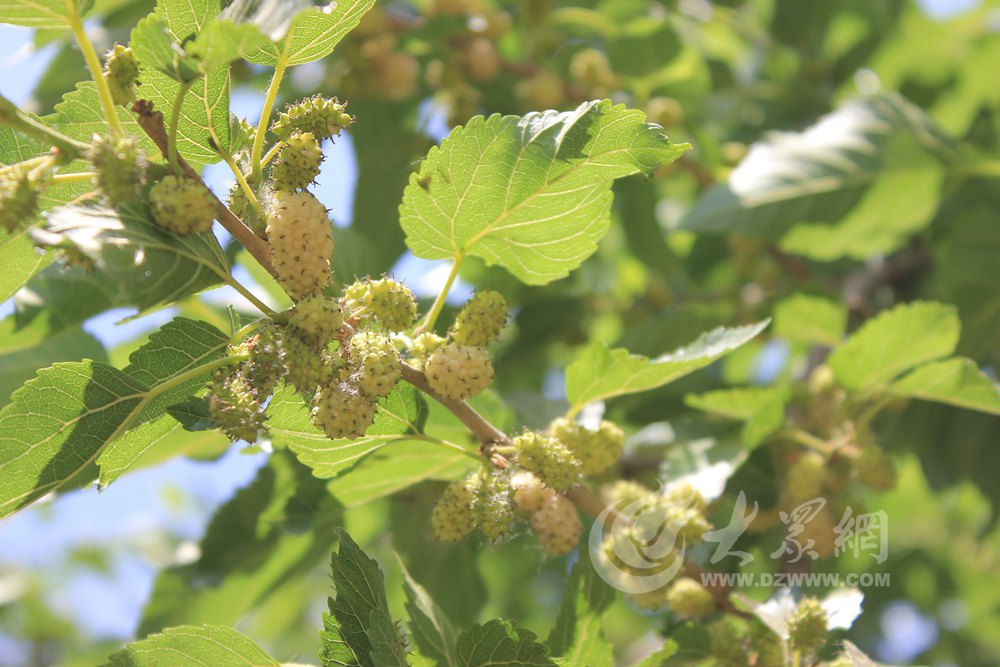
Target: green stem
<point>445,444</point>
<point>77,177</point>
<point>175,116</point>
<point>435,310</point>
<point>806,439</point>
<point>270,154</point>
<point>265,114</point>
<point>249,296</point>
<point>872,410</point>
<point>94,65</point>
<point>16,119</point>
<point>244,185</point>
<point>246,330</point>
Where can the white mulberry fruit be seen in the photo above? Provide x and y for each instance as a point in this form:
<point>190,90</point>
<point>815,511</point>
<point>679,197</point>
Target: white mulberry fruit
<point>297,163</point>
<point>322,116</point>
<point>342,411</point>
<point>689,599</point>
<point>423,346</point>
<point>452,517</point>
<point>494,505</point>
<point>596,450</point>
<point>459,371</point>
<point>550,460</point>
<point>557,526</point>
<point>481,320</point>
<point>119,168</point>
<point>387,301</point>
<point>234,407</point>
<point>18,198</point>
<point>182,205</point>
<point>301,238</point>
<point>317,318</point>
<point>377,362</point>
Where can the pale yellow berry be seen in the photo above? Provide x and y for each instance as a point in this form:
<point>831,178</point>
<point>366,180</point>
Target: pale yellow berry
<point>557,525</point>
<point>459,371</point>
<point>301,237</point>
<point>689,599</point>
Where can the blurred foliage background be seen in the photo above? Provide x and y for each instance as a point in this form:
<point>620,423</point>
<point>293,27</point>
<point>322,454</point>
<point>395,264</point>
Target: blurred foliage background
<point>892,198</point>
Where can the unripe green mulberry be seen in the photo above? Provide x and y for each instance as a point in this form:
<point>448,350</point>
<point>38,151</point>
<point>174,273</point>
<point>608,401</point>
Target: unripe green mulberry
<point>481,320</point>
<point>807,627</point>
<point>689,599</point>
<point>317,318</point>
<point>557,526</point>
<point>240,205</point>
<point>494,506</point>
<point>805,477</point>
<point>234,407</point>
<point>377,362</point>
<point>306,366</point>
<point>452,517</point>
<point>322,116</point>
<point>119,170</point>
<point>301,238</point>
<point>622,493</point>
<point>182,205</point>
<point>459,371</point>
<point>650,600</point>
<point>297,164</point>
<point>547,458</point>
<point>530,495</point>
<point>596,450</point>
<point>876,468</point>
<point>385,300</point>
<point>725,640</point>
<point>686,495</point>
<point>121,71</point>
<point>18,198</point>
<point>767,646</point>
<point>266,365</point>
<point>342,411</point>
<point>423,346</point>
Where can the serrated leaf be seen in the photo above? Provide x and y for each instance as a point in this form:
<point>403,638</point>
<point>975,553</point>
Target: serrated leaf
<point>79,115</point>
<point>578,635</point>
<point>150,266</point>
<point>360,605</point>
<point>813,320</point>
<point>531,194</point>
<point>40,13</point>
<point>500,643</point>
<point>179,347</point>
<point>19,260</point>
<point>271,532</point>
<point>433,632</point>
<point>194,646</point>
<point>894,341</point>
<point>313,34</point>
<point>395,468</point>
<point>954,381</point>
<point>816,175</point>
<point>600,373</point>
<point>398,419</point>
<point>335,652</point>
<point>205,109</point>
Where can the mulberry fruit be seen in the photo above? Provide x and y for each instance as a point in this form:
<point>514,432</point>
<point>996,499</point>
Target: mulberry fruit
<point>377,362</point>
<point>18,198</point>
<point>550,460</point>
<point>301,239</point>
<point>387,301</point>
<point>322,117</point>
<point>119,169</point>
<point>234,407</point>
<point>530,495</point>
<point>805,477</point>
<point>557,526</point>
<point>452,517</point>
<point>318,319</point>
<point>423,346</point>
<point>459,371</point>
<point>481,320</point>
<point>876,469</point>
<point>807,627</point>
<point>121,71</point>
<point>596,450</point>
<point>182,205</point>
<point>342,411</point>
<point>689,599</point>
<point>297,164</point>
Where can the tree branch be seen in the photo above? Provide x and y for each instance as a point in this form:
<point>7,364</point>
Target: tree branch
<point>151,122</point>
<point>487,433</point>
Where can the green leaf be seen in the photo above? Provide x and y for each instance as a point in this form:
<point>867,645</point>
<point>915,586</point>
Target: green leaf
<point>398,467</point>
<point>79,115</point>
<point>657,659</point>
<point>812,320</point>
<point>63,297</point>
<point>179,347</point>
<point>194,646</point>
<point>205,109</point>
<point>578,635</point>
<point>898,204</point>
<point>600,373</point>
<point>150,266</point>
<point>19,260</point>
<point>765,421</point>
<point>360,605</point>
<point>399,419</point>
<point>500,643</point>
<point>736,403</point>
<point>40,13</point>
<point>335,652</point>
<point>817,175</point>
<point>433,632</point>
<point>57,424</point>
<point>531,194</point>
<point>894,341</point>
<point>270,533</point>
<point>313,34</point>
<point>954,381</point>
<point>24,351</point>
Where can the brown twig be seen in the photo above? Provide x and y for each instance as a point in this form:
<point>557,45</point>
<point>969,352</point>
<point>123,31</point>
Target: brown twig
<point>151,122</point>
<point>487,433</point>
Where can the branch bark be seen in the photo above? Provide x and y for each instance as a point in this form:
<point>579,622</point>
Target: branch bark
<point>151,122</point>
<point>487,433</point>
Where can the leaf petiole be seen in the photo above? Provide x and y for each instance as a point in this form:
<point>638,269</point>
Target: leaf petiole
<point>265,115</point>
<point>175,115</point>
<point>439,302</point>
<point>94,65</point>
